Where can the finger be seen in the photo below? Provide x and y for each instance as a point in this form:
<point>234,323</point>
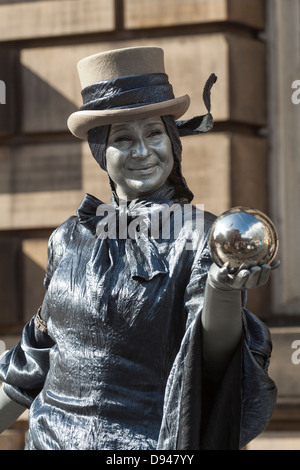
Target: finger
<point>253,278</point>
<point>240,279</point>
<point>222,275</point>
<point>251,264</point>
<point>264,274</point>
<point>223,272</point>
<point>275,264</point>
<point>217,274</point>
<point>247,266</point>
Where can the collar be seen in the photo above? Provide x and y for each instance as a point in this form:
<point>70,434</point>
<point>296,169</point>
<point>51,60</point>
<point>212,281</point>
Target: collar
<point>141,251</point>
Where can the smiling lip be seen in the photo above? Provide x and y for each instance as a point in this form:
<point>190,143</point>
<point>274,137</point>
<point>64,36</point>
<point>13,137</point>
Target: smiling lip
<point>145,170</point>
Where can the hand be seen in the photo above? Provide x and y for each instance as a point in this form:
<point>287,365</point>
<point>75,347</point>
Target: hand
<point>248,276</point>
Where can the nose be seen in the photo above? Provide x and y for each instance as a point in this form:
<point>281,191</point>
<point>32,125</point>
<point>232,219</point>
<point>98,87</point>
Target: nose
<point>140,149</point>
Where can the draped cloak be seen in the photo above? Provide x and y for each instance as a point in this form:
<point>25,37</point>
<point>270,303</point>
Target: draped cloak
<point>120,365</point>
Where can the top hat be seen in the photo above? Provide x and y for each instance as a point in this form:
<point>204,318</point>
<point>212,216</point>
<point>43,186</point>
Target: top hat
<point>124,85</point>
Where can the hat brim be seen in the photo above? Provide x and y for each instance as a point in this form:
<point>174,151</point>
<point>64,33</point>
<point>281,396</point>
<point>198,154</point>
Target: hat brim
<point>81,122</point>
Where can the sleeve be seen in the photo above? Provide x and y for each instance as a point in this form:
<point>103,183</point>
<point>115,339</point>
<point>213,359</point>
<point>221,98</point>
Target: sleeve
<point>24,368</point>
<point>201,415</point>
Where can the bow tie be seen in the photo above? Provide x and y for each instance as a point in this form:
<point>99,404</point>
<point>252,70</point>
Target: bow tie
<point>122,220</point>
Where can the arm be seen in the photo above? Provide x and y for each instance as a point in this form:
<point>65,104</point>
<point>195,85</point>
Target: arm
<point>221,316</point>
<point>9,411</point>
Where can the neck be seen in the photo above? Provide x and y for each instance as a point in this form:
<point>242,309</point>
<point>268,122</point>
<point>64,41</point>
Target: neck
<point>167,191</point>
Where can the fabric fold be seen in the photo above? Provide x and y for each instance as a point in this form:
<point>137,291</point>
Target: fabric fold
<point>133,223</point>
<point>26,365</point>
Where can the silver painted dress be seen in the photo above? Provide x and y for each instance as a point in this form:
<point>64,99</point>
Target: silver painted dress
<point>123,341</point>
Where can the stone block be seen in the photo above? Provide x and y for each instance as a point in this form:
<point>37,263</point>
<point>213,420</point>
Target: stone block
<point>249,174</point>
<point>226,170</point>
<point>51,93</point>
<point>248,12</point>
<point>38,210</point>
<point>43,184</point>
<point>40,167</point>
<point>157,13</point>
<point>206,168</point>
<point>247,93</point>
<point>40,19</point>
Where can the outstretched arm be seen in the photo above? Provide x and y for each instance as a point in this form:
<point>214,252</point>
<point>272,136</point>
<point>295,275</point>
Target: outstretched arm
<point>9,411</point>
<point>221,316</point>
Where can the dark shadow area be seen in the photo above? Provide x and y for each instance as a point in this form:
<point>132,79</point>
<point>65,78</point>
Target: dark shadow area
<point>41,167</point>
<point>10,286</point>
<point>43,108</point>
<point>8,62</point>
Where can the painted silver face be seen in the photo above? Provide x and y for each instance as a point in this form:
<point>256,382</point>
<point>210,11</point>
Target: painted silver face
<point>139,156</point>
<point>241,235</point>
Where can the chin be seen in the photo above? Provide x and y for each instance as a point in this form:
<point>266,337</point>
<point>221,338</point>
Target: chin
<point>145,188</point>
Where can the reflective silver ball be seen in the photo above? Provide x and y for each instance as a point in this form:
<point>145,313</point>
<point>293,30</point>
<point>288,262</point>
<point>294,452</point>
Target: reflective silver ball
<point>241,235</point>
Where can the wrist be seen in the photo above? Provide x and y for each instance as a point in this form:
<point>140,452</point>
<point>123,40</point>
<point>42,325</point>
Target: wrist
<point>219,293</point>
<point>219,286</point>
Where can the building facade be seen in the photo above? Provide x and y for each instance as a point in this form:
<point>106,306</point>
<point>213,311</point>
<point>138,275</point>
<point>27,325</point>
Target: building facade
<point>249,159</point>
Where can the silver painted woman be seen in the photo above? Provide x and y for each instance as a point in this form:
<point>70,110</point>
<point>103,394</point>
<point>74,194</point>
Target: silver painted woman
<point>141,342</point>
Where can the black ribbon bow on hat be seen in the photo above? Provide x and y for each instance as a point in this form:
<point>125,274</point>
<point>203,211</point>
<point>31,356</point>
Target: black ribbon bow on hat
<point>141,90</point>
<point>199,124</point>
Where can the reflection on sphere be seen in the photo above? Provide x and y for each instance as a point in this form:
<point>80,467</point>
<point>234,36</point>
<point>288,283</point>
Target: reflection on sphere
<point>241,235</point>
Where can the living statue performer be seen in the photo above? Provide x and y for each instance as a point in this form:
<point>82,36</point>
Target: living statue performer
<point>141,342</point>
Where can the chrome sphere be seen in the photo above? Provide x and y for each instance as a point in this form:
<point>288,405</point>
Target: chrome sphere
<point>241,235</point>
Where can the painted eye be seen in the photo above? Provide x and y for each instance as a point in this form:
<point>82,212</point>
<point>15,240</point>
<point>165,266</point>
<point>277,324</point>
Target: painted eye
<point>155,133</point>
<point>123,138</point>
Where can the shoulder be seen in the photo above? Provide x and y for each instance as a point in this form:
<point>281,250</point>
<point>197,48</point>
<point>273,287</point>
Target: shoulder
<point>57,245</point>
<point>62,235</point>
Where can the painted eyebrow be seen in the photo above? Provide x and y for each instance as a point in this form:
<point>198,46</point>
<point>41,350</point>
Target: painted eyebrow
<point>154,123</point>
<point>120,128</point>
<point>123,126</point>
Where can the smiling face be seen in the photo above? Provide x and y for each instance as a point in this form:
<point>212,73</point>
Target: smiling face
<point>139,157</point>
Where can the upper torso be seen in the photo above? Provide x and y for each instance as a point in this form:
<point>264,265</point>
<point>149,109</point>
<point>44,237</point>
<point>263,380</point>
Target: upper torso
<point>117,331</point>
